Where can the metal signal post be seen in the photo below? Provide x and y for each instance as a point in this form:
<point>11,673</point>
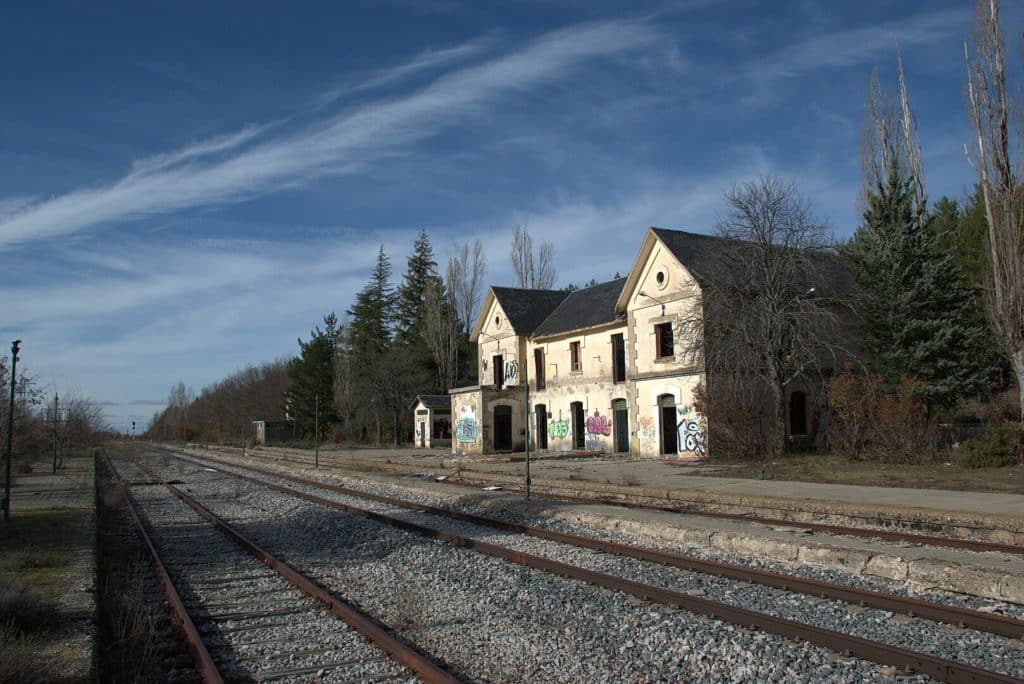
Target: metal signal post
<point>15,346</point>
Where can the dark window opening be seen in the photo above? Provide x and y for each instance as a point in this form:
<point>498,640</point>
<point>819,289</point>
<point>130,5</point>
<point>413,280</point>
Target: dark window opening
<point>574,351</point>
<point>664,340</point>
<point>538,368</point>
<point>499,371</point>
<point>618,358</point>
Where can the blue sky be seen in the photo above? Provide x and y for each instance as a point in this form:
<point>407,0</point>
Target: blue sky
<point>186,188</point>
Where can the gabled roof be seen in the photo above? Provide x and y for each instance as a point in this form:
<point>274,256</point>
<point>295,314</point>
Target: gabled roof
<point>697,252</point>
<point>524,309</point>
<point>434,401</point>
<point>585,308</point>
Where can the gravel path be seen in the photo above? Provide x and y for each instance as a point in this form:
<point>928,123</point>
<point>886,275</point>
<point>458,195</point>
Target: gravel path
<point>501,622</point>
<point>255,624</point>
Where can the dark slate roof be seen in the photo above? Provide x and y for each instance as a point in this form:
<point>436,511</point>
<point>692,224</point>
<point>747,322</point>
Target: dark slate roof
<point>584,309</point>
<point>696,252</point>
<point>526,309</point>
<point>435,401</point>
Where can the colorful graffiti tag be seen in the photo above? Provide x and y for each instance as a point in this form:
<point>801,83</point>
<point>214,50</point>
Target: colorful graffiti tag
<point>598,424</point>
<point>647,433</point>
<point>558,429</point>
<point>691,437</point>
<point>512,371</point>
<point>466,427</point>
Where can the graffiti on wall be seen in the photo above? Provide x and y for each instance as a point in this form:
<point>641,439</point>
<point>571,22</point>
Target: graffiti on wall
<point>598,424</point>
<point>511,372</point>
<point>558,429</point>
<point>691,433</point>
<point>647,433</point>
<point>466,427</point>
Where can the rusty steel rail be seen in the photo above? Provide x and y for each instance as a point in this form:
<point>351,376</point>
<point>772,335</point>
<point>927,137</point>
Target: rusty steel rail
<point>885,654</point>
<point>928,610</point>
<point>863,532</point>
<point>205,666</point>
<point>374,631</point>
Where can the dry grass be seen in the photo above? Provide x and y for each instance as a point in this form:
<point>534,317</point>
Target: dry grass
<point>838,470</point>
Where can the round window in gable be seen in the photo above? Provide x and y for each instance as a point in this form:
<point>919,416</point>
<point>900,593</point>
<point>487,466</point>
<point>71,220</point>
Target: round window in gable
<point>497,321</point>
<point>661,278</point>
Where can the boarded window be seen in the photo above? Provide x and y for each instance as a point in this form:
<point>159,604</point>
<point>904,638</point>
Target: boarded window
<point>574,352</point>
<point>618,358</point>
<point>538,368</point>
<point>664,340</point>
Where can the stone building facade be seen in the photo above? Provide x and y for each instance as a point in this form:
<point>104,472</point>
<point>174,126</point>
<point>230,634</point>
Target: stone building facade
<point>604,366</point>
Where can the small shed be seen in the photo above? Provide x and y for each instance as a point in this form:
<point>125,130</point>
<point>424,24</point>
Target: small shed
<point>273,431</point>
<point>432,420</point>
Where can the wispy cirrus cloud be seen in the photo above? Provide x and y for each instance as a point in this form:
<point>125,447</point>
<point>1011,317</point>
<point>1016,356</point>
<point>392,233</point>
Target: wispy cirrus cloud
<point>249,163</point>
<point>836,49</point>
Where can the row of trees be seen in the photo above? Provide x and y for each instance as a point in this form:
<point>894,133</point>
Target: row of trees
<point>354,378</point>
<point>224,411</point>
<point>80,421</point>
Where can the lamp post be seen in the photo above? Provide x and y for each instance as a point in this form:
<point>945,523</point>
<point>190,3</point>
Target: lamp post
<point>15,346</point>
<point>316,430</point>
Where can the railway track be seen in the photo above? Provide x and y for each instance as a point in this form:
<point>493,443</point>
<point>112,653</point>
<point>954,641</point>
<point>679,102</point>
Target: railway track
<point>877,651</point>
<point>248,616</point>
<point>826,528</point>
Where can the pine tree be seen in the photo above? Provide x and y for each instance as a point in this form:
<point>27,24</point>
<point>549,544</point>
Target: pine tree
<point>409,300</point>
<point>312,375</point>
<point>922,318</point>
<point>372,313</point>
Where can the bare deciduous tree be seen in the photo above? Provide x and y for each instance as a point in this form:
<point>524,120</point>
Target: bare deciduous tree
<point>767,317</point>
<point>534,272</point>
<point>441,332</point>
<point>465,276</point>
<point>996,159</point>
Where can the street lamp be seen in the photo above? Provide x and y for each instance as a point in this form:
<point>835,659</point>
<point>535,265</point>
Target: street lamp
<point>644,294</point>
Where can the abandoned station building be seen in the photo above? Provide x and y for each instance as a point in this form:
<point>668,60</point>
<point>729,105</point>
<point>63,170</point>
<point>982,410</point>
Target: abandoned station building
<point>603,365</point>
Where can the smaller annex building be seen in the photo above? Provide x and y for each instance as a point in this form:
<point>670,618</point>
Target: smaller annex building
<point>432,420</point>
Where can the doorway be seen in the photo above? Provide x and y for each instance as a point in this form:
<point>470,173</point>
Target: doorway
<point>797,414</point>
<point>668,425</point>
<point>578,426</point>
<point>620,421</point>
<point>542,425</point>
<point>503,428</point>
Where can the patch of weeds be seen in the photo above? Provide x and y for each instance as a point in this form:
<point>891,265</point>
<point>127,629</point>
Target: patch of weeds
<point>19,662</point>
<point>24,608</point>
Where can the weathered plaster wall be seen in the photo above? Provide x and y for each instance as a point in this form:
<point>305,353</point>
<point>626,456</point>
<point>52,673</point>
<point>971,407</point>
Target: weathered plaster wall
<point>498,338</point>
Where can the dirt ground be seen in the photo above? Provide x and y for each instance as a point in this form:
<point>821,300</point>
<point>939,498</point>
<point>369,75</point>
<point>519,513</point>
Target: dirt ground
<point>835,470</point>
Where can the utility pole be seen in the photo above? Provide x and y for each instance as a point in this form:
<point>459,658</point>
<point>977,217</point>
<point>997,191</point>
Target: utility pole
<point>316,430</point>
<point>526,420</point>
<point>56,423</point>
<point>15,345</point>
